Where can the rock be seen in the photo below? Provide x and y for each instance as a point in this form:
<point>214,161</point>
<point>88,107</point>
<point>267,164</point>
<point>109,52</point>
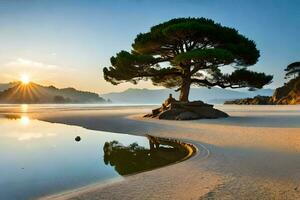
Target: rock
<point>257,100</point>
<point>170,114</point>
<point>188,115</point>
<point>176,110</point>
<point>288,94</point>
<point>189,105</point>
<point>77,138</point>
<point>210,113</point>
<point>156,111</point>
<point>148,115</point>
<point>169,100</point>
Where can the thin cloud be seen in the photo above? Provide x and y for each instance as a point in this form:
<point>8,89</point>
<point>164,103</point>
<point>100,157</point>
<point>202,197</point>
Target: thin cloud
<point>39,72</point>
<point>21,62</point>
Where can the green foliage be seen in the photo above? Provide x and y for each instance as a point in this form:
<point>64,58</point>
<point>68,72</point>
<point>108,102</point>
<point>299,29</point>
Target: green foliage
<point>249,79</point>
<point>129,67</point>
<point>217,56</point>
<point>188,51</point>
<point>293,69</point>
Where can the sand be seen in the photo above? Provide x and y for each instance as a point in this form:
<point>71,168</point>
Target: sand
<point>254,154</point>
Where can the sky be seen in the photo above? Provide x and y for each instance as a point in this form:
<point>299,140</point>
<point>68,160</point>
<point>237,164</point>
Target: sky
<point>68,42</point>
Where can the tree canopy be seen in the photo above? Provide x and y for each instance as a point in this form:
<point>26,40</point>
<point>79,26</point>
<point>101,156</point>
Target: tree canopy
<point>188,51</point>
<point>292,69</point>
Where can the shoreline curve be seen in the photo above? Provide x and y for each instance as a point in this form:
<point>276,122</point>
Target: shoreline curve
<point>195,149</point>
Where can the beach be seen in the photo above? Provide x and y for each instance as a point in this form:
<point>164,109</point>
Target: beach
<point>253,154</point>
<point>149,100</point>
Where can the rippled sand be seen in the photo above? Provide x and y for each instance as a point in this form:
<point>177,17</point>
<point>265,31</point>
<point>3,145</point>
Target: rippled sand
<point>254,154</point>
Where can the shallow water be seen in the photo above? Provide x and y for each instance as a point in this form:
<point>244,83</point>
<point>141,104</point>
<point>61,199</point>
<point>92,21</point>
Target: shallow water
<point>40,158</point>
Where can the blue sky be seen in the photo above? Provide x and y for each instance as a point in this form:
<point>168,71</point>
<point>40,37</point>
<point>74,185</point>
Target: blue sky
<point>67,43</point>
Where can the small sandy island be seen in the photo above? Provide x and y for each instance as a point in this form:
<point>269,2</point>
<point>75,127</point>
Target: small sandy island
<point>254,154</point>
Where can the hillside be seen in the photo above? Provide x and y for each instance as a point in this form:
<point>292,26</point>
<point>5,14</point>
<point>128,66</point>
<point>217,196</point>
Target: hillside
<point>35,93</point>
<point>214,95</point>
<point>289,94</point>
<point>5,86</point>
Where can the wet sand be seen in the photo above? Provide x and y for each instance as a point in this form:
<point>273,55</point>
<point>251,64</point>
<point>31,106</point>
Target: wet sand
<point>254,154</point>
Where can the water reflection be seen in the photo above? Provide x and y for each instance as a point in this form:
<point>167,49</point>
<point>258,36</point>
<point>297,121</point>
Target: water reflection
<point>24,108</point>
<point>12,117</point>
<point>25,120</point>
<point>134,158</point>
<point>40,158</point>
<point>19,127</point>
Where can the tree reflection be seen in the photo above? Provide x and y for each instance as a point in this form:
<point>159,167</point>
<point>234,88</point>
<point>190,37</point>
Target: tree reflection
<point>134,158</point>
<point>12,117</point>
<point>24,119</point>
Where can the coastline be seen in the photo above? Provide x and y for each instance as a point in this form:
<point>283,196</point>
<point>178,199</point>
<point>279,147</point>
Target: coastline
<point>252,154</point>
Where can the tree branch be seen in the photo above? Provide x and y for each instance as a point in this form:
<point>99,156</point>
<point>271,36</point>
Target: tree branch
<point>159,73</point>
<point>218,83</point>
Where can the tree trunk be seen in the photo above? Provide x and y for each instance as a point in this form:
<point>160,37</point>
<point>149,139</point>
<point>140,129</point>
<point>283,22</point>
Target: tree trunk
<point>184,91</point>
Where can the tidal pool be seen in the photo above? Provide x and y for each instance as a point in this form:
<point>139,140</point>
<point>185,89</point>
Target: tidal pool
<point>39,158</point>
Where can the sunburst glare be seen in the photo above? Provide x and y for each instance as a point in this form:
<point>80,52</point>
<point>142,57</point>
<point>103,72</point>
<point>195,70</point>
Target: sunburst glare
<point>25,79</point>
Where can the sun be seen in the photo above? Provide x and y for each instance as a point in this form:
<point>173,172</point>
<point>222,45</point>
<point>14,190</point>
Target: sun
<point>25,79</point>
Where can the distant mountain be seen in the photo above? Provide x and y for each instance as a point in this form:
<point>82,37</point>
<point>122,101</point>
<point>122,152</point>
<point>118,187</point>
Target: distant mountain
<point>214,95</point>
<point>5,86</point>
<point>35,93</point>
